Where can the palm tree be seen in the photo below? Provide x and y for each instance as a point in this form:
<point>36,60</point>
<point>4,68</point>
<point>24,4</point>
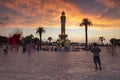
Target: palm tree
<point>50,39</point>
<point>86,22</point>
<point>101,39</point>
<point>113,41</point>
<point>39,31</point>
<point>31,35</point>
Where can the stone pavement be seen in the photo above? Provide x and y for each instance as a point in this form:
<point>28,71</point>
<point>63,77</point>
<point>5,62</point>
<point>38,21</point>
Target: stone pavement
<point>58,66</point>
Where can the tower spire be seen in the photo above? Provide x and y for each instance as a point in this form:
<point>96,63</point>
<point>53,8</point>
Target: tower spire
<point>63,21</point>
<point>63,36</point>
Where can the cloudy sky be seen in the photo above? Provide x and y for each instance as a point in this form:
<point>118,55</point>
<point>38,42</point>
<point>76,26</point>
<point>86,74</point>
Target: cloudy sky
<point>29,14</point>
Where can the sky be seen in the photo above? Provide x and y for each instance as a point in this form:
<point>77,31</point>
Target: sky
<point>27,15</point>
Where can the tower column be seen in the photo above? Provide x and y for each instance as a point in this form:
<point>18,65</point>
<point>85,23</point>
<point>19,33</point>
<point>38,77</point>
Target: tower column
<point>63,21</point>
<point>63,36</point>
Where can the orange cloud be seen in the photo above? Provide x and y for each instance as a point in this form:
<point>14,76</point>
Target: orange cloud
<point>48,12</point>
<point>34,13</point>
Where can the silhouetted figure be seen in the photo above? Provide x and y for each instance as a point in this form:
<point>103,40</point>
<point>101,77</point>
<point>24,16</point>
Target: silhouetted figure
<point>24,48</point>
<point>29,49</point>
<point>5,49</point>
<point>17,48</point>
<point>108,48</point>
<point>113,48</point>
<point>96,55</point>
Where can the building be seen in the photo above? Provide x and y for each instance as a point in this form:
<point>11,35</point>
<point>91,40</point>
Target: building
<point>63,42</point>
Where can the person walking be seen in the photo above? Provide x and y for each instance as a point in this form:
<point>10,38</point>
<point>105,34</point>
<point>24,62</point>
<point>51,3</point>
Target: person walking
<point>113,50</point>
<point>5,49</point>
<point>29,49</point>
<point>96,56</point>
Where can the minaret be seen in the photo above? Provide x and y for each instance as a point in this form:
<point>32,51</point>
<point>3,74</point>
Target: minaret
<point>63,21</point>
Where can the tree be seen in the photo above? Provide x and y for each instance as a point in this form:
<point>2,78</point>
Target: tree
<point>113,41</point>
<point>50,39</point>
<point>40,31</point>
<point>101,39</point>
<point>28,39</point>
<point>35,40</point>
<point>31,35</point>
<point>3,39</point>
<point>86,22</point>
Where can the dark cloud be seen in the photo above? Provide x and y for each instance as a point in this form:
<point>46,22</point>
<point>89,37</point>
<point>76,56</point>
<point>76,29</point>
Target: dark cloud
<point>1,23</point>
<point>112,9</point>
<point>6,1</point>
<point>8,15</point>
<point>8,10</point>
<point>98,7</point>
<point>88,6</point>
<point>5,18</point>
<point>112,3</point>
<point>111,14</point>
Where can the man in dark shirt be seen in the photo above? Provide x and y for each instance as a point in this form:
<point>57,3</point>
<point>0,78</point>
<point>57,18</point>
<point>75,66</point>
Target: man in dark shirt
<point>96,55</point>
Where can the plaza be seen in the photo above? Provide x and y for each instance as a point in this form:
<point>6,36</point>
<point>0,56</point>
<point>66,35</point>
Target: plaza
<point>50,65</point>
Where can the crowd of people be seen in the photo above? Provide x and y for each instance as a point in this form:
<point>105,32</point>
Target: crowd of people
<point>31,48</point>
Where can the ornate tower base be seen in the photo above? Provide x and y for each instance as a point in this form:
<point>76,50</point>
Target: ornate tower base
<point>63,43</point>
<point>62,38</point>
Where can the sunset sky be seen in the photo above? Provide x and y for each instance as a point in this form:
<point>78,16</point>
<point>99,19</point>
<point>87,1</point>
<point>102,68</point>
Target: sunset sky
<point>30,14</point>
